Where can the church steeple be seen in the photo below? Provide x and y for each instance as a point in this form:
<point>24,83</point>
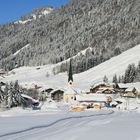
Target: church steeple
<point>70,75</point>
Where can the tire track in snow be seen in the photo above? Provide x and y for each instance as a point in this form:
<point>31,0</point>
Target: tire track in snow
<point>55,122</point>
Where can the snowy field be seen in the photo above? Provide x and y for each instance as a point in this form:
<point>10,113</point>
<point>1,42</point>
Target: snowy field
<point>116,65</point>
<point>60,124</point>
<point>18,124</point>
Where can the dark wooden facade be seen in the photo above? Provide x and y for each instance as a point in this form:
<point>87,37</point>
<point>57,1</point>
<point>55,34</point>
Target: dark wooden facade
<point>101,87</point>
<point>57,95</point>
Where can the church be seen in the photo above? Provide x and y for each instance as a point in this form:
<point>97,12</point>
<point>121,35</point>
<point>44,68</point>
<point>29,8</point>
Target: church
<point>70,93</point>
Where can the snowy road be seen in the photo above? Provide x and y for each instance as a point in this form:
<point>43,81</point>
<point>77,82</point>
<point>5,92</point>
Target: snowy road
<point>97,125</point>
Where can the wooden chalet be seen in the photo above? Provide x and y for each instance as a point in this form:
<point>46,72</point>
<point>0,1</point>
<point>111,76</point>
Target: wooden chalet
<point>131,92</point>
<point>57,95</point>
<point>45,93</point>
<point>102,87</point>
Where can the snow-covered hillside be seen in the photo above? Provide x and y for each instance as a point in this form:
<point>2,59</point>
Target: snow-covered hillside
<point>115,65</point>
<point>17,52</point>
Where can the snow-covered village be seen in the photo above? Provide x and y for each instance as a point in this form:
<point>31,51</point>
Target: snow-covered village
<point>70,71</point>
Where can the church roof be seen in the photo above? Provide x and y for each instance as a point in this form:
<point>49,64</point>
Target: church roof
<point>71,90</point>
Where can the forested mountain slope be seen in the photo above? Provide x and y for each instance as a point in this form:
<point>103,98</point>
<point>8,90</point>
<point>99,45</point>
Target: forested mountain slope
<point>109,27</point>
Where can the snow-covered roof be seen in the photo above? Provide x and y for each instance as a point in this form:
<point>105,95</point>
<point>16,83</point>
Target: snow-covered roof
<point>97,84</point>
<point>28,97</point>
<point>102,83</point>
<point>56,90</point>
<point>44,89</point>
<point>122,85</point>
<point>91,97</point>
<point>130,89</point>
<point>107,89</point>
<point>129,86</point>
<point>113,103</point>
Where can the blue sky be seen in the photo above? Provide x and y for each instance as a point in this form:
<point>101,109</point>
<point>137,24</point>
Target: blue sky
<point>13,9</point>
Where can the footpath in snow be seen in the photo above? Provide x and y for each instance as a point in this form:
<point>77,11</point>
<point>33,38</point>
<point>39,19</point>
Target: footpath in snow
<point>13,126</point>
<point>67,125</point>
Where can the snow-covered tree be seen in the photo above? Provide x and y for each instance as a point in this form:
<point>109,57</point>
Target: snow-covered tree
<point>115,80</point>
<point>130,74</point>
<point>105,79</point>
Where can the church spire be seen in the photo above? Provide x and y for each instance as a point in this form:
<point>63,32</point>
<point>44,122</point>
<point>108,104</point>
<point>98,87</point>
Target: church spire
<point>70,75</point>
